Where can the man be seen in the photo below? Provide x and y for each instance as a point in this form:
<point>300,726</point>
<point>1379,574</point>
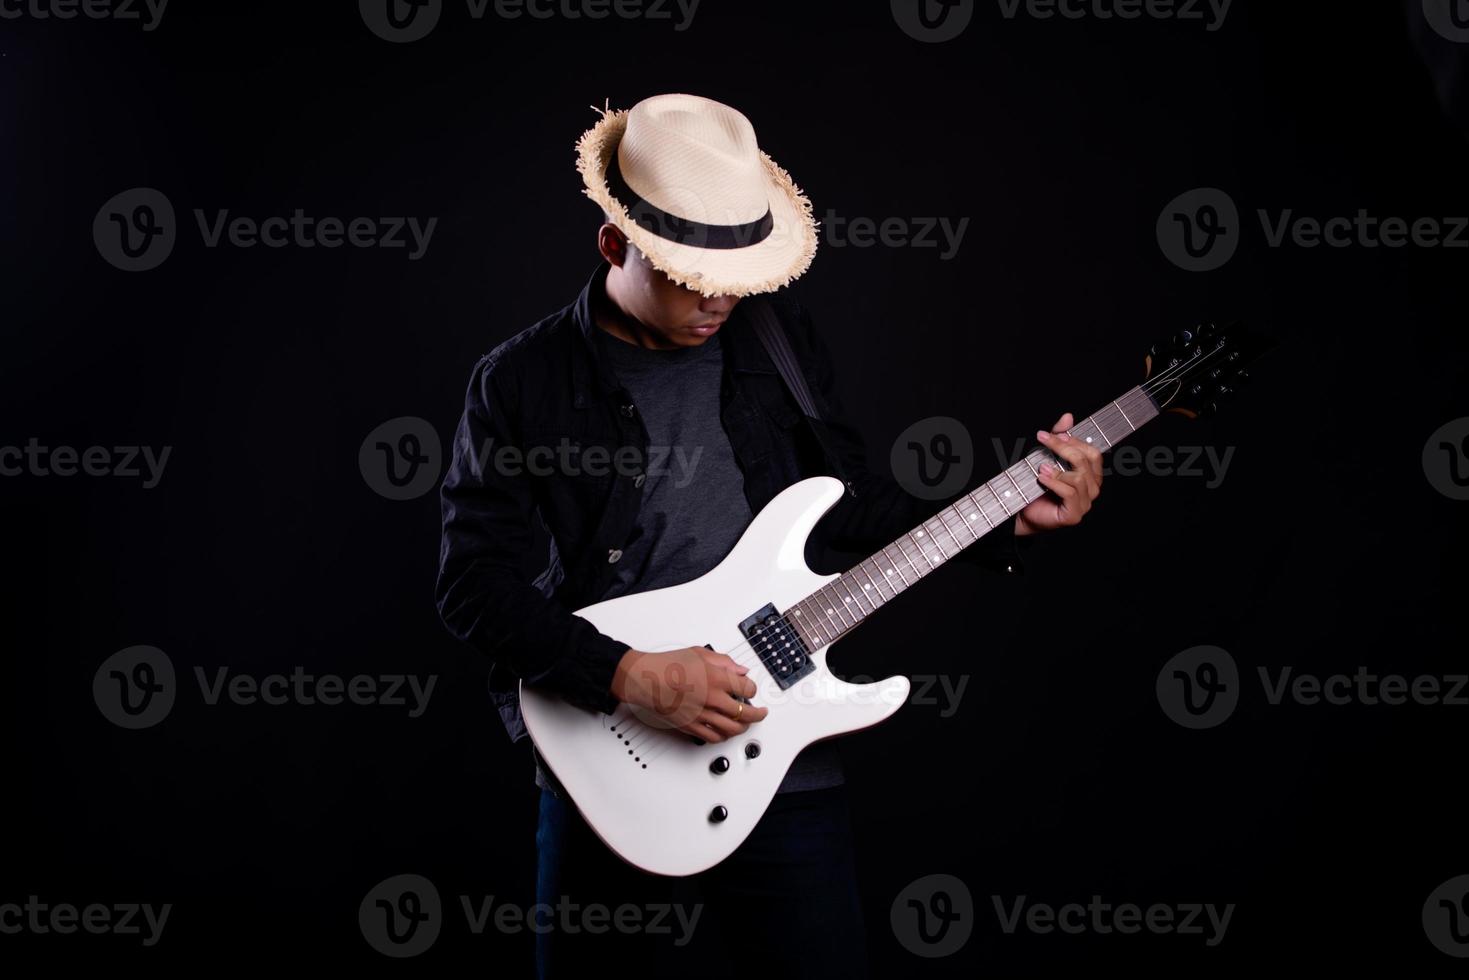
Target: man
<point>673,427</point>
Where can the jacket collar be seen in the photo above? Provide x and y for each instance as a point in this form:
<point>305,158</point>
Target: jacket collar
<point>743,351</point>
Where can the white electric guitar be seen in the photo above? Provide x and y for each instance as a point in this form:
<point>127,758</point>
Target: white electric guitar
<point>674,805</point>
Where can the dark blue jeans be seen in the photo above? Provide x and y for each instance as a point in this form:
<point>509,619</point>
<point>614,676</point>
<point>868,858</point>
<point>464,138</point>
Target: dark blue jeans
<point>785,903</point>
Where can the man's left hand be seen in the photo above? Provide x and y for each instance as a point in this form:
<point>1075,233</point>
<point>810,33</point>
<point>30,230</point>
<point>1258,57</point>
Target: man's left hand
<point>1072,491</point>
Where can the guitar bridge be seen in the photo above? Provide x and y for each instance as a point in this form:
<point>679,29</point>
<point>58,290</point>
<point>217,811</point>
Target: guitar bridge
<point>778,645</point>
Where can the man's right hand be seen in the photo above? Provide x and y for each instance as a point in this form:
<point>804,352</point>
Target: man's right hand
<point>692,690</point>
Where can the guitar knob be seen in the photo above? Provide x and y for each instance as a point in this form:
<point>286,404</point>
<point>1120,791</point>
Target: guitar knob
<point>752,749</point>
<point>719,765</point>
<point>718,814</point>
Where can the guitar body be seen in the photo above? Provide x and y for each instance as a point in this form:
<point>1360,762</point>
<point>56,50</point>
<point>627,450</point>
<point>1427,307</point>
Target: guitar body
<point>651,793</point>
<point>672,805</point>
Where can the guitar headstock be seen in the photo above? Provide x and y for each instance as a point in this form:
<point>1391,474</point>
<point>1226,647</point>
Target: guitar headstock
<point>1197,369</point>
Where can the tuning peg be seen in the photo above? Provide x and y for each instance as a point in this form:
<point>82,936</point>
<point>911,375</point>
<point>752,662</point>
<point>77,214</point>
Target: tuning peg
<point>1183,338</point>
<point>1206,329</point>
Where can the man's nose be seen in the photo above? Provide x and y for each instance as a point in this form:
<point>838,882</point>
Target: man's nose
<point>718,304</point>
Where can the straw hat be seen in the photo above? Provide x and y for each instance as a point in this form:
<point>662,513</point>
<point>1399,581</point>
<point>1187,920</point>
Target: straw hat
<point>684,179</point>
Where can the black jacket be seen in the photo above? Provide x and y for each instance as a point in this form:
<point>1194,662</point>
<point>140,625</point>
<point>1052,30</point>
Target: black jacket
<point>547,396</point>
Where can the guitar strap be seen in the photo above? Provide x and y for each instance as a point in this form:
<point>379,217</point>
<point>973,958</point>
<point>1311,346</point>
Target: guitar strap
<point>773,338</point>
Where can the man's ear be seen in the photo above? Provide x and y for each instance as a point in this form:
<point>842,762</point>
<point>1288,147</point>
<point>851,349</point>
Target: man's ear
<point>613,244</point>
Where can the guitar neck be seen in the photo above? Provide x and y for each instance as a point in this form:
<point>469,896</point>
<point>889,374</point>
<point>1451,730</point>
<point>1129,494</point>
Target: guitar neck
<point>837,607</point>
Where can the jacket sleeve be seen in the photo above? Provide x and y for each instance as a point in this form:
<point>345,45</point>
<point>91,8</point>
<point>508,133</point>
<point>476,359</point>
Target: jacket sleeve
<point>482,593</point>
<point>882,510</point>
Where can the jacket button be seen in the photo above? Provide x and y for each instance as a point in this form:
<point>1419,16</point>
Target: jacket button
<point>614,556</point>
<point>637,481</point>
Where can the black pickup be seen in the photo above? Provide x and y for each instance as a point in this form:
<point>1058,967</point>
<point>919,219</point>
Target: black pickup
<point>778,645</point>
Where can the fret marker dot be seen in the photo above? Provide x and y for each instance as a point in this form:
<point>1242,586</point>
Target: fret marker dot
<point>920,534</point>
<point>890,571</point>
<point>1007,493</point>
<point>866,587</point>
<point>1088,438</point>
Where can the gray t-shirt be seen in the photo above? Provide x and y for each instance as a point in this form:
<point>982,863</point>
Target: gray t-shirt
<point>693,508</point>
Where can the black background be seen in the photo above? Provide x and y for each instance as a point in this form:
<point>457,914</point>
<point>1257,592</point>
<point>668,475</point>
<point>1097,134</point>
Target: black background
<point>1058,778</point>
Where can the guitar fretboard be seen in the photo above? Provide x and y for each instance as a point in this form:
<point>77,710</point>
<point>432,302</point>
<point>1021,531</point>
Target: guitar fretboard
<point>827,614</point>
